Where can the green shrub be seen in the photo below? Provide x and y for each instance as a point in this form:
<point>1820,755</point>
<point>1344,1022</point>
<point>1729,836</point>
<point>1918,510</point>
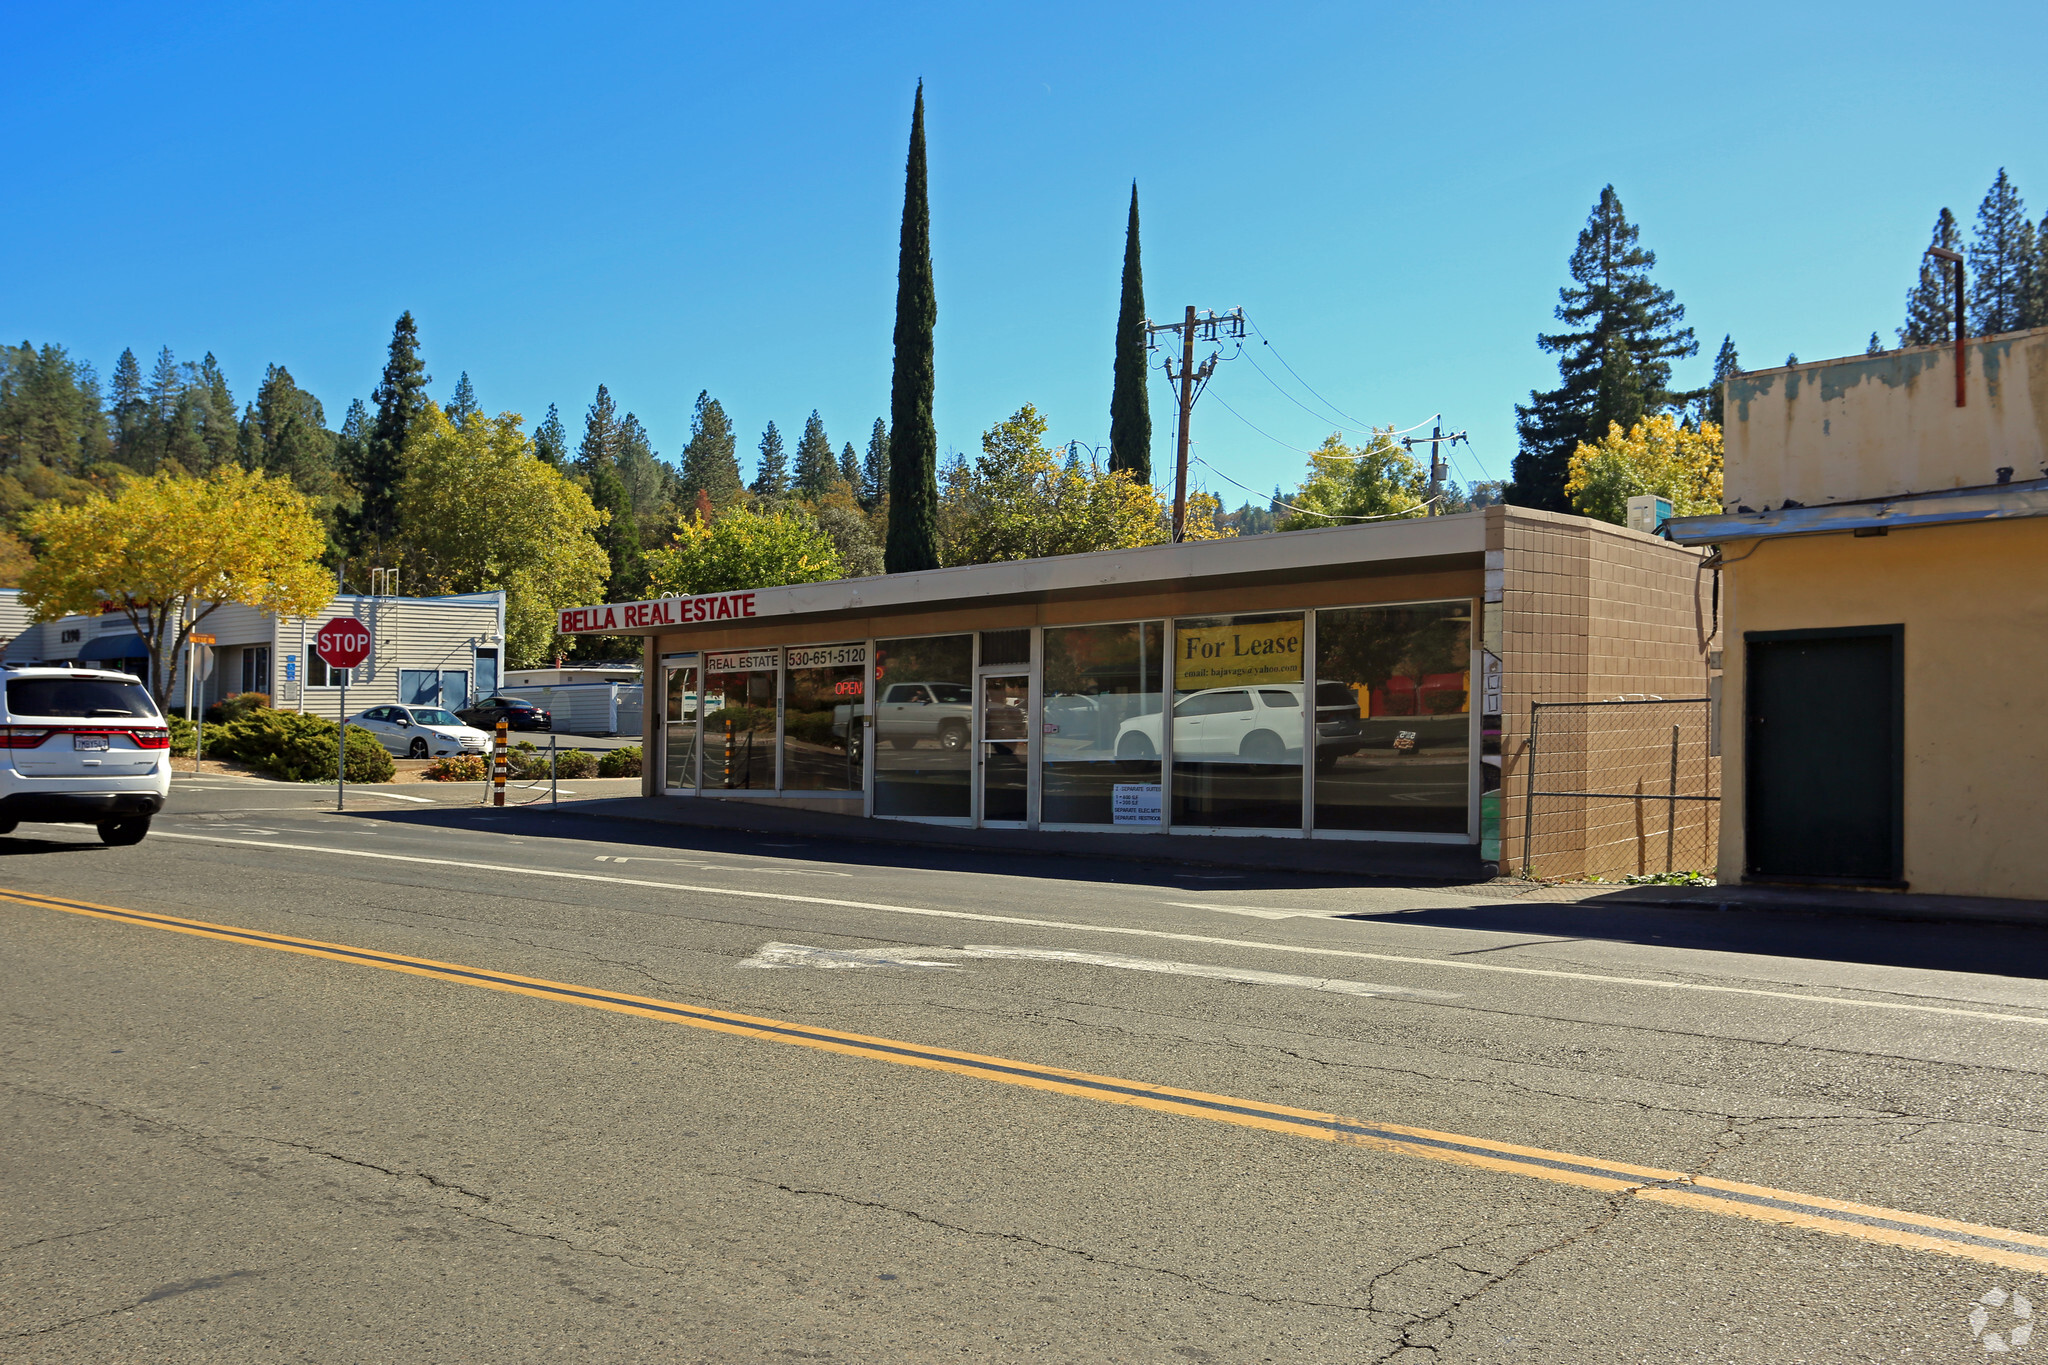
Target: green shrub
<point>574,763</point>
<point>297,748</point>
<point>623,762</point>
<point>184,737</point>
<point>236,707</point>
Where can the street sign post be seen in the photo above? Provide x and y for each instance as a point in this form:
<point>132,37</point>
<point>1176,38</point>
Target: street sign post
<point>343,643</point>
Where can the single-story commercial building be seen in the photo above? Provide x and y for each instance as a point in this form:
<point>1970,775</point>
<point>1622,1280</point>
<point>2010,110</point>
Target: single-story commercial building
<point>426,650</point>
<point>1884,559</point>
<point>1366,683</point>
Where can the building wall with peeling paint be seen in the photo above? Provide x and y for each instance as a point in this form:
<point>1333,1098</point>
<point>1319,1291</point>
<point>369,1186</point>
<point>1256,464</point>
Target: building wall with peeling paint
<point>1887,425</point>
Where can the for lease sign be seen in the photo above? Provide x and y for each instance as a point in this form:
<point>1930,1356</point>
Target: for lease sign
<point>669,611</point>
<point>1237,656</point>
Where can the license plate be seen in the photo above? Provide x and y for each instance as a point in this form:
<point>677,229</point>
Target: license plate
<point>88,741</point>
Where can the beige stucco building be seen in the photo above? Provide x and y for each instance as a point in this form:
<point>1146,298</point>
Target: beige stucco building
<point>1883,558</point>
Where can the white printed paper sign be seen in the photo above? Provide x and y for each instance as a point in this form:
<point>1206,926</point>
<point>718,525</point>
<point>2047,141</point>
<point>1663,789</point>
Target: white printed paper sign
<point>1135,803</point>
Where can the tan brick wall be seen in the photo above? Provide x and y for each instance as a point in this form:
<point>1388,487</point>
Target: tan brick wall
<point>1592,612</point>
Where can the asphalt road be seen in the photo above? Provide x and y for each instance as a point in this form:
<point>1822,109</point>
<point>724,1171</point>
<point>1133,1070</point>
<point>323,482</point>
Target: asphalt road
<point>432,1082</point>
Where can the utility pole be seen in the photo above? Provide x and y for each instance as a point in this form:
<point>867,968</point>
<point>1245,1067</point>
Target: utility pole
<point>1439,469</point>
<point>1192,380</point>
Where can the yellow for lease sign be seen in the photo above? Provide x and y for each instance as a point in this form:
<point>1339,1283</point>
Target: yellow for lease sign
<point>1237,656</point>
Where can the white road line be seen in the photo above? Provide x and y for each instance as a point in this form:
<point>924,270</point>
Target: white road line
<point>1257,911</point>
<point>394,796</point>
<point>1306,950</point>
<point>798,955</point>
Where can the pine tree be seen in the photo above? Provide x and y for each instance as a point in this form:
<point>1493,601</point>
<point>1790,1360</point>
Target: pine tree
<point>550,441</point>
<point>1614,298</point>
<point>2037,278</point>
<point>849,472</point>
<point>1930,303</point>
<point>462,406</point>
<point>1618,400</point>
<point>771,476</point>
<point>127,410</point>
<point>874,470</point>
<point>815,467</point>
<point>914,464</point>
<point>352,444</point>
<point>50,416</point>
<point>1726,366</point>
<point>214,406</point>
<point>1130,404</point>
<point>1999,256</point>
<point>600,445</point>
<point>292,429</point>
<point>711,464</point>
<point>650,483</point>
<point>1876,346</point>
<point>620,535</point>
<point>401,400</point>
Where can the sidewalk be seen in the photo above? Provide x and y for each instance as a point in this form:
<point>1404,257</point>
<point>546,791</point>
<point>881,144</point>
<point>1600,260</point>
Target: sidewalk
<point>1887,905</point>
<point>1375,860</point>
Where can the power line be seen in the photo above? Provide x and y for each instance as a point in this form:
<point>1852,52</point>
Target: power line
<point>1310,511</point>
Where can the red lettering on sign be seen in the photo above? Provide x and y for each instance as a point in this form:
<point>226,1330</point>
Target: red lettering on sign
<point>746,604</point>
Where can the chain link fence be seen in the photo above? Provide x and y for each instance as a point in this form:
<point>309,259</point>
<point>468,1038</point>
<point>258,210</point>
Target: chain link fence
<point>1620,788</point>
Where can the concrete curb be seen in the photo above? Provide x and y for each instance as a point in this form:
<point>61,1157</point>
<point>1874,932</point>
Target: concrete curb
<point>1372,860</point>
<point>1884,905</point>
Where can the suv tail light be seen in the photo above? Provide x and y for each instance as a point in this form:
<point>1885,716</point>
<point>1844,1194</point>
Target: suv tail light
<point>152,739</point>
<point>19,737</point>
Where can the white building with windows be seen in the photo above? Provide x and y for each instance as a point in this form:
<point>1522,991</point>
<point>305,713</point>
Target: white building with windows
<point>445,651</point>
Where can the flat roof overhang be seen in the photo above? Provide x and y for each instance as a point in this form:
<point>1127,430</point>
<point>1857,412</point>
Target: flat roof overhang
<point>1413,545</point>
<point>1949,507</point>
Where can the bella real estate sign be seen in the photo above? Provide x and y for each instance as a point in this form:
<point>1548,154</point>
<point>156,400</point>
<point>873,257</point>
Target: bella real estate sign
<point>669,611</point>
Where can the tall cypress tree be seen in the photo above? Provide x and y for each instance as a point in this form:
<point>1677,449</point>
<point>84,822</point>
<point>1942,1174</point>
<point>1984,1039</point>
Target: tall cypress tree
<point>816,469</point>
<point>401,400</point>
<point>1130,405</point>
<point>2000,254</point>
<point>913,435</point>
<point>600,445</point>
<point>127,408</point>
<point>711,464</point>
<point>771,476</point>
<point>1727,364</point>
<point>874,470</point>
<point>550,440</point>
<point>1614,297</point>
<point>1930,303</point>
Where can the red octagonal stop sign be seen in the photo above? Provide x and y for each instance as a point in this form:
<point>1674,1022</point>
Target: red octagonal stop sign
<point>343,642</point>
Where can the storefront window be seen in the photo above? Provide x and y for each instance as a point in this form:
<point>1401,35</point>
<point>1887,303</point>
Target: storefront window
<point>924,726</point>
<point>1101,724</point>
<point>1393,736</point>
<point>679,718</point>
<point>739,723</point>
<point>821,718</point>
<point>1237,721</point>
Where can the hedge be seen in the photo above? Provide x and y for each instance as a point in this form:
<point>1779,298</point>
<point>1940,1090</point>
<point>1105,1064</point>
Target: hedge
<point>297,748</point>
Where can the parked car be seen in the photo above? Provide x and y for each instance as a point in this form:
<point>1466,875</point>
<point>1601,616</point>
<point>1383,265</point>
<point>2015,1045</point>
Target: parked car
<point>517,713</point>
<point>911,711</point>
<point>84,747</point>
<point>421,731</point>
<point>1248,725</point>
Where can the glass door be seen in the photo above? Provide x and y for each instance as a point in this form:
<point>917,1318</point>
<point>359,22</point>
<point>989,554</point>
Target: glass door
<point>679,726</point>
<point>741,702</point>
<point>1002,718</point>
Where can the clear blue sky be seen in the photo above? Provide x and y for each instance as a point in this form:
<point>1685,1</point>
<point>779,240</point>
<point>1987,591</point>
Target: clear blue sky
<point>668,199</point>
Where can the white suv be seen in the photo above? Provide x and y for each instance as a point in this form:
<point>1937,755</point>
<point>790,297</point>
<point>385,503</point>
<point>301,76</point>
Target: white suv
<point>81,747</point>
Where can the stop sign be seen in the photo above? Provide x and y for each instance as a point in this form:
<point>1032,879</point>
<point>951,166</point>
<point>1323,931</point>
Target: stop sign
<point>343,642</point>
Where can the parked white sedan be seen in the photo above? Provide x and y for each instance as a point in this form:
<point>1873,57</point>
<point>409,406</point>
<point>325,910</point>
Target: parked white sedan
<point>421,731</point>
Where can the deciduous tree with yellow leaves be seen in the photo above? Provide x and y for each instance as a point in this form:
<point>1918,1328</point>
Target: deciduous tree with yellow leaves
<point>159,545</point>
<point>1657,455</point>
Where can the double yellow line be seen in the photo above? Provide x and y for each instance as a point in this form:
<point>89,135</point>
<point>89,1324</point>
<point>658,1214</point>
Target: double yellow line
<point>1841,1218</point>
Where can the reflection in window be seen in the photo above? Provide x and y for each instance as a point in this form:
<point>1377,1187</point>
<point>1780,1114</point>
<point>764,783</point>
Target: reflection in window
<point>739,730</point>
<point>1237,721</point>
<point>924,726</point>
<point>1100,724</point>
<point>679,718</point>
<point>1393,737</point>
<point>821,735</point>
